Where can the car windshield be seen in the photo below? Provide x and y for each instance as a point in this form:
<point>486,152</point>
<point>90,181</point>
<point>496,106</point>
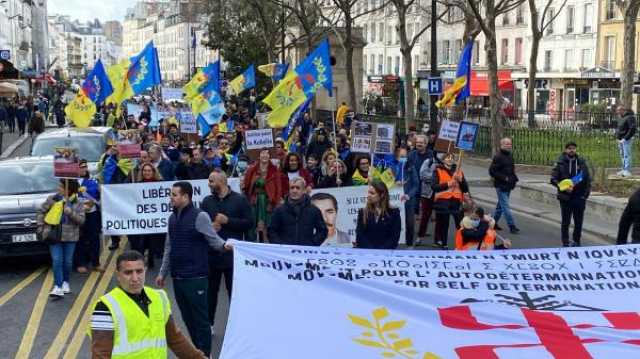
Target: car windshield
<point>89,147</point>
<point>26,178</point>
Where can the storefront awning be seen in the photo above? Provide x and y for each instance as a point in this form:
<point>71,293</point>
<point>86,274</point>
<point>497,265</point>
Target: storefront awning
<point>480,82</point>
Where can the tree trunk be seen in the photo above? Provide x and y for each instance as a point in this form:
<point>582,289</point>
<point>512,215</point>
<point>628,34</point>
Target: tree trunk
<point>349,64</point>
<point>492,62</point>
<point>531,87</point>
<point>628,67</point>
<point>408,90</point>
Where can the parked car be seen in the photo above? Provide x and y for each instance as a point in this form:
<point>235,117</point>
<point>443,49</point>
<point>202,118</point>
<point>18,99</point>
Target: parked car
<point>90,142</point>
<point>25,184</point>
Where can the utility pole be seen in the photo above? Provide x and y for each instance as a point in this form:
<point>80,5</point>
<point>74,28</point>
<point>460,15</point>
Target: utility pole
<point>434,63</point>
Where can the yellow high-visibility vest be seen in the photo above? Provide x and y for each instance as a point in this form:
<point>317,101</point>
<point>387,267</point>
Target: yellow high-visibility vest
<point>137,335</point>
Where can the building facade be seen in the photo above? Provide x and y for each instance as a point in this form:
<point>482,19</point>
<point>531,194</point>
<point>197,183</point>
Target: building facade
<point>16,32</point>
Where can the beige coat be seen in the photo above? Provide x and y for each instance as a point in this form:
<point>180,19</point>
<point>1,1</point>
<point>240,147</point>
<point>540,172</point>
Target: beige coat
<point>71,228</point>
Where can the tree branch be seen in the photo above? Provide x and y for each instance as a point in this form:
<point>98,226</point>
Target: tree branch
<point>476,14</point>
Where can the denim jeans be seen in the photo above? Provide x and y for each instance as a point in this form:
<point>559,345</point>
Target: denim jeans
<point>625,154</point>
<point>61,261</point>
<point>503,207</point>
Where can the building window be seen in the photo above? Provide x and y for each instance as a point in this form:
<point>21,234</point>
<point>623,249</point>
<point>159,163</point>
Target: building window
<point>610,12</point>
<point>397,67</point>
<point>547,60</point>
<point>410,31</point>
<point>416,63</point>
<point>445,52</point>
<point>458,50</point>
<point>610,52</point>
<point>381,32</point>
<point>380,62</point>
<point>588,18</point>
<point>364,64</point>
<point>585,61</point>
<point>373,33</point>
<point>416,30</point>
<point>520,15</point>
<point>552,14</point>
<point>397,37</point>
<point>427,53</point>
<point>504,53</point>
<point>571,12</point>
<point>372,64</point>
<point>568,59</point>
<point>388,64</point>
<point>476,52</point>
<point>365,29</point>
<point>505,19</point>
<point>389,37</point>
<point>518,51</point>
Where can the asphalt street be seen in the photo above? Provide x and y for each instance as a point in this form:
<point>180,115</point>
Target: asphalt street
<point>36,327</point>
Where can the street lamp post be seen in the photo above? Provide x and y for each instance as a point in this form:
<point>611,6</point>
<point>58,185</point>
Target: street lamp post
<point>434,63</point>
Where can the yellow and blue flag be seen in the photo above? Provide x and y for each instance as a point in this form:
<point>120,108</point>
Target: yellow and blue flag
<point>97,86</point>
<point>201,79</point>
<point>118,76</point>
<point>244,81</point>
<point>276,71</point>
<point>460,89</point>
<point>284,100</point>
<point>315,70</point>
<point>145,69</point>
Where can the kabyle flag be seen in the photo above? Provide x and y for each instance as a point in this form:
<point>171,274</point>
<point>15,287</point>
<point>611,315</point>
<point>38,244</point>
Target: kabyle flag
<point>329,302</point>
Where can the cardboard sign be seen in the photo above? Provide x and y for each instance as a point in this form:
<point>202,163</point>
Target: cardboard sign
<point>467,136</point>
<point>66,163</point>
<point>187,122</point>
<point>258,139</point>
<point>367,137</point>
<point>449,130</point>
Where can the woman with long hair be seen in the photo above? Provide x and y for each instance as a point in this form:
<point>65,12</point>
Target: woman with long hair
<point>337,176</point>
<point>154,243</point>
<point>59,221</point>
<point>293,167</point>
<point>379,224</point>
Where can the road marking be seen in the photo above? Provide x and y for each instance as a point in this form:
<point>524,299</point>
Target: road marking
<point>36,318</point>
<point>20,286</point>
<point>72,318</point>
<point>81,331</point>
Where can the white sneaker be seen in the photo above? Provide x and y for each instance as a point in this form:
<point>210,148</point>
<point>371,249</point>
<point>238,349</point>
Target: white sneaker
<point>65,287</point>
<point>626,174</point>
<point>620,173</point>
<point>56,292</point>
<point>213,333</point>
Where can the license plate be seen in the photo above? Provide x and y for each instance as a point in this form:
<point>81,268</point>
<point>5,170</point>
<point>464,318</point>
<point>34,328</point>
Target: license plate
<point>21,238</point>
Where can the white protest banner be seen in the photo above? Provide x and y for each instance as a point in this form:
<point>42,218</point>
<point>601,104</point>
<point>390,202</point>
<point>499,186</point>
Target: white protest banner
<point>556,303</point>
<point>143,208</point>
<point>258,139</point>
<point>449,130</point>
<point>187,122</point>
<point>171,94</point>
<point>350,199</point>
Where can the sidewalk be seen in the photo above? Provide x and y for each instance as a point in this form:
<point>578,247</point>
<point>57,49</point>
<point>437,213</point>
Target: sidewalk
<point>12,140</point>
<point>482,190</point>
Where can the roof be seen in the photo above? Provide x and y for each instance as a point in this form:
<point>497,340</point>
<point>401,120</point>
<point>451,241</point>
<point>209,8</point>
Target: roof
<point>74,131</point>
<point>26,160</point>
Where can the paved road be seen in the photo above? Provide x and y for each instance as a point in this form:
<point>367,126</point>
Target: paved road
<point>52,327</point>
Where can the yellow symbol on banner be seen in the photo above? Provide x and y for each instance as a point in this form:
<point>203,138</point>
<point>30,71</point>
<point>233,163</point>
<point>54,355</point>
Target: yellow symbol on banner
<point>383,335</point>
<point>142,72</point>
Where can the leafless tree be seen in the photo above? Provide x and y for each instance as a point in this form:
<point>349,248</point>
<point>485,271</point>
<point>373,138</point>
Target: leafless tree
<point>487,21</point>
<point>540,22</point>
<point>629,10</point>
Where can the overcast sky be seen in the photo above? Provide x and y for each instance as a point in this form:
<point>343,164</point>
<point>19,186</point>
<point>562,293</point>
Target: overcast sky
<point>84,10</point>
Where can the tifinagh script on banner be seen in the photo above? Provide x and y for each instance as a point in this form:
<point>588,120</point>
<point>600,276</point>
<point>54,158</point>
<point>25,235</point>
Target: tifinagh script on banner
<point>573,303</point>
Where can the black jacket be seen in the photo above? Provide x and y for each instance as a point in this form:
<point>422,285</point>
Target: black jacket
<point>626,126</point>
<point>503,171</point>
<point>331,181</point>
<point>381,234</point>
<point>566,168</point>
<point>630,216</point>
<point>236,207</point>
<point>198,170</point>
<point>318,148</point>
<point>298,224</point>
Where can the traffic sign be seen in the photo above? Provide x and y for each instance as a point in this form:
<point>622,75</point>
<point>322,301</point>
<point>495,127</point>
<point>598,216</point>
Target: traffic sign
<point>435,86</point>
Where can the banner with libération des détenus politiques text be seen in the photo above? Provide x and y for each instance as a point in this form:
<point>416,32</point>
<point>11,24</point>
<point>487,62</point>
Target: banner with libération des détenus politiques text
<point>305,302</point>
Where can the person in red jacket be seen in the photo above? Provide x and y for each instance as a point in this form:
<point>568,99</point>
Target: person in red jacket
<point>292,167</point>
<point>262,184</point>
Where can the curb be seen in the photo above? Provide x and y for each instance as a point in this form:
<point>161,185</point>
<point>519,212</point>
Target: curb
<point>608,237</point>
<point>14,146</point>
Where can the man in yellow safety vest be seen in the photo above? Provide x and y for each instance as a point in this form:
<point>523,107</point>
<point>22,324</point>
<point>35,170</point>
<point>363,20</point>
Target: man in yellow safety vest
<point>134,321</point>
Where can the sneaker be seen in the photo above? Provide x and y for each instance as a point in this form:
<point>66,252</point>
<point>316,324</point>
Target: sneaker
<point>620,173</point>
<point>56,292</point>
<point>65,288</point>
<point>625,174</point>
<point>439,245</point>
<point>514,229</point>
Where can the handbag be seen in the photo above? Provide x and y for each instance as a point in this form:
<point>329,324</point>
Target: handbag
<point>54,235</point>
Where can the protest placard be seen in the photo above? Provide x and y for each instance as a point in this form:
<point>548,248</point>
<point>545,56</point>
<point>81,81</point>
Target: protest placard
<point>128,143</point>
<point>187,122</point>
<point>258,139</point>
<point>171,94</point>
<point>368,137</point>
<point>562,303</point>
<point>467,136</point>
<point>66,163</point>
<point>144,208</point>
